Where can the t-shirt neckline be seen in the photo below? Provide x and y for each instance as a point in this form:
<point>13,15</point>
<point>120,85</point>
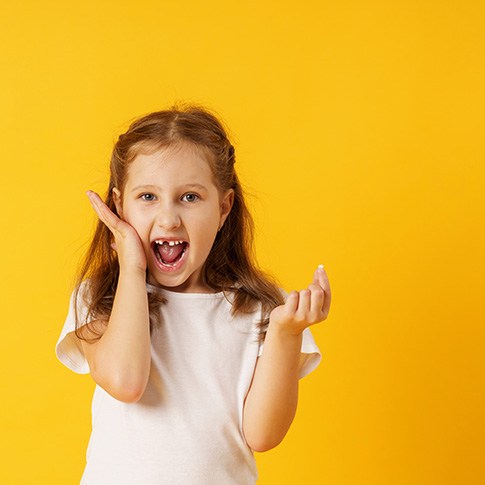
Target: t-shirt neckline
<point>180,294</point>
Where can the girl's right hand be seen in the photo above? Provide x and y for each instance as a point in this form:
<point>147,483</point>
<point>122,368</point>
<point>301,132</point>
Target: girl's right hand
<point>127,243</point>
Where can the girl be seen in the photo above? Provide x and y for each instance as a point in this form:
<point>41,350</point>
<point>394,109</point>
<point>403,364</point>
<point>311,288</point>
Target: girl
<point>170,316</point>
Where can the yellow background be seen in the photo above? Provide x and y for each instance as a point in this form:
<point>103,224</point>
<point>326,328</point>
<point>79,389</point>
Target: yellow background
<point>358,129</point>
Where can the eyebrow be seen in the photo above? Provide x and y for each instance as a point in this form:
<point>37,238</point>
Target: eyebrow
<point>185,186</point>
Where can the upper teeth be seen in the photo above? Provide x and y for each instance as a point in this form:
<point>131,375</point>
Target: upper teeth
<point>170,243</point>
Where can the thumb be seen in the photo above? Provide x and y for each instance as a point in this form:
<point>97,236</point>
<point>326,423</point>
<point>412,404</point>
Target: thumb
<point>318,276</point>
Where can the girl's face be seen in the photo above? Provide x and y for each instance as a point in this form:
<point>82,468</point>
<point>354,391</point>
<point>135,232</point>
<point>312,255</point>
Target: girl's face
<point>170,198</point>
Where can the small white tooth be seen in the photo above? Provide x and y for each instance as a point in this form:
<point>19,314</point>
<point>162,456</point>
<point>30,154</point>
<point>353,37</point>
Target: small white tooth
<point>171,243</point>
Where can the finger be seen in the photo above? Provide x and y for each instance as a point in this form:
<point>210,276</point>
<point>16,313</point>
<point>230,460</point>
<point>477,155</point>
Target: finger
<point>97,204</point>
<point>320,278</point>
<point>104,212</point>
<point>325,284</point>
<point>326,304</point>
<point>291,303</point>
<point>304,304</point>
<point>317,301</point>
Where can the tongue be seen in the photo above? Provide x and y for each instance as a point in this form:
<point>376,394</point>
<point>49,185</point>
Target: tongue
<point>170,253</point>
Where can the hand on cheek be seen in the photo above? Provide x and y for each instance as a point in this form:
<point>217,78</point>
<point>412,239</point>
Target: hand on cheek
<point>127,242</point>
<point>306,307</point>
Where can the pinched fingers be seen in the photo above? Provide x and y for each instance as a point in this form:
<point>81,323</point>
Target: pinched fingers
<point>304,308</point>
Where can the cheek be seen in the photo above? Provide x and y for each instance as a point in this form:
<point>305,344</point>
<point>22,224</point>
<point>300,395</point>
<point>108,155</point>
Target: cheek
<point>210,223</point>
<point>210,228</point>
<point>203,230</point>
<point>140,221</point>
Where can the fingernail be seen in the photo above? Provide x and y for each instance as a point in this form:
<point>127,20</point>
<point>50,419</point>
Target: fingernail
<point>320,266</point>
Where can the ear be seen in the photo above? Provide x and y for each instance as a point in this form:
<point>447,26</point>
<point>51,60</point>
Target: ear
<point>226,205</point>
<point>117,201</point>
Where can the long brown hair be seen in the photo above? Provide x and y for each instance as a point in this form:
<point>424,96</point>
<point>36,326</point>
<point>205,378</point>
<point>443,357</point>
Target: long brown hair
<point>230,266</point>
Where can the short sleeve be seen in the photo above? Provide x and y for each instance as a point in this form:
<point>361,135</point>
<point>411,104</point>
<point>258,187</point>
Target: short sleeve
<point>68,348</point>
<point>310,350</point>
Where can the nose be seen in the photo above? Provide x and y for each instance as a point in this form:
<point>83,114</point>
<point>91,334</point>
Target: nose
<point>168,218</point>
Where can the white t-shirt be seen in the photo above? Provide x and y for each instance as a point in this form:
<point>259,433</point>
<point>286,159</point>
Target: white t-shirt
<point>187,427</point>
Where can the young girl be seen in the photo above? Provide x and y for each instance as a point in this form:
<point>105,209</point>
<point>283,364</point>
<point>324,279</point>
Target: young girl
<point>170,316</point>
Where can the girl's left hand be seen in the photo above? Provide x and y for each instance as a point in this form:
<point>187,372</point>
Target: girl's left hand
<point>306,307</point>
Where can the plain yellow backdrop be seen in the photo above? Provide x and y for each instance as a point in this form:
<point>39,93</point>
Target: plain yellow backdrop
<point>358,129</point>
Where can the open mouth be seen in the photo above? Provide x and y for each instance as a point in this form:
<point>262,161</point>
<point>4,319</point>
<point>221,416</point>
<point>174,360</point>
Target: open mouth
<point>169,253</point>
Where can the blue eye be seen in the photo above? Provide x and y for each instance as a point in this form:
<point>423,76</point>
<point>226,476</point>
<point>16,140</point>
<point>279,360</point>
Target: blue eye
<point>147,197</point>
<point>190,197</point>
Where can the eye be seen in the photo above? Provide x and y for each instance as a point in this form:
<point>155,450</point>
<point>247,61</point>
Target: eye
<point>190,197</point>
<point>147,197</point>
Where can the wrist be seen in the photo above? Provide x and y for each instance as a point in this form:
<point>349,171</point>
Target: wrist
<point>133,272</point>
<point>283,330</point>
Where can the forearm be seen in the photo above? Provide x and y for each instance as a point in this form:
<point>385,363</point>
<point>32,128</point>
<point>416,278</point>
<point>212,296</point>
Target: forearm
<point>272,400</point>
<point>273,395</point>
<point>124,357</point>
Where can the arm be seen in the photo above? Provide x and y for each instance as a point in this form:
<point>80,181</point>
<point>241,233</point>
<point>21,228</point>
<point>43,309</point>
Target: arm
<point>120,360</point>
<point>272,399</point>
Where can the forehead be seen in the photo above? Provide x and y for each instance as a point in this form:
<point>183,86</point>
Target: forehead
<point>179,163</point>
